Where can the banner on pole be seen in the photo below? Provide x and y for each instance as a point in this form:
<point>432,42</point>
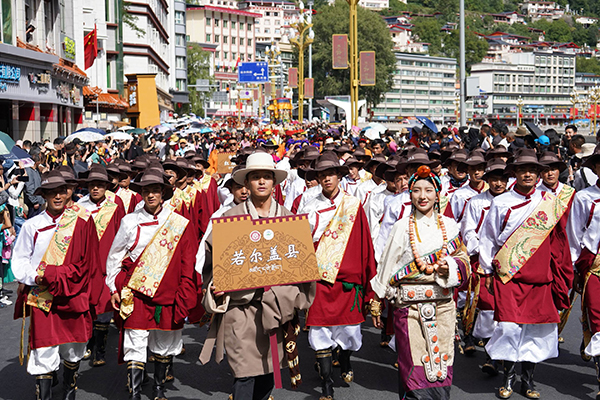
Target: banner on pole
<point>339,51</point>
<point>367,68</point>
<point>309,88</point>
<point>293,78</point>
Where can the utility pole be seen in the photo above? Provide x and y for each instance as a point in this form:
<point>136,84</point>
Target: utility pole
<point>311,35</point>
<point>354,61</point>
<point>463,71</point>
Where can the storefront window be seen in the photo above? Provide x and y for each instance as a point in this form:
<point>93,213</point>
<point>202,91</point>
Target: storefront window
<point>6,22</point>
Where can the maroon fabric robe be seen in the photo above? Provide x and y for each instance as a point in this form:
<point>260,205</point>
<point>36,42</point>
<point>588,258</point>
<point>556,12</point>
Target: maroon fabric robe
<point>69,319</point>
<point>592,288</point>
<point>333,303</point>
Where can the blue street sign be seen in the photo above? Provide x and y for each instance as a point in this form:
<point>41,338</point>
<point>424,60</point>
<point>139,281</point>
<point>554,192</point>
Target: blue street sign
<point>253,72</point>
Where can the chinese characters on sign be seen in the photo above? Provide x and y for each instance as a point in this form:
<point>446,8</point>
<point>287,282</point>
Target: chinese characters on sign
<point>367,68</point>
<point>309,88</point>
<point>267,252</point>
<point>293,78</point>
<point>9,74</point>
<point>68,46</point>
<point>339,51</point>
<point>224,164</point>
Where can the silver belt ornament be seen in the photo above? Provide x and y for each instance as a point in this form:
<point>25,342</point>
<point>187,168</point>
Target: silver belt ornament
<point>435,363</point>
<point>411,293</point>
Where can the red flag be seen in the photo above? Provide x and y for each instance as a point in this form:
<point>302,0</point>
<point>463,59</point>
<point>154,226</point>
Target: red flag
<point>237,63</point>
<point>90,47</point>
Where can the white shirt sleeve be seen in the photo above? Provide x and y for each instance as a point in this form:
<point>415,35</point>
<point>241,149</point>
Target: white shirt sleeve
<point>116,255</point>
<point>22,267</point>
<point>576,226</point>
<point>488,238</point>
<point>468,226</point>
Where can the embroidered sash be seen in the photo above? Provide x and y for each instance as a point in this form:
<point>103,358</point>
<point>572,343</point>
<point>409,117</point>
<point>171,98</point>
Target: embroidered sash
<point>525,240</point>
<point>332,245</point>
<point>154,260</point>
<point>105,214</point>
<point>192,193</point>
<point>126,195</point>
<point>179,199</point>
<point>566,194</point>
<point>203,183</point>
<point>444,201</point>
<point>55,254</point>
<point>411,270</point>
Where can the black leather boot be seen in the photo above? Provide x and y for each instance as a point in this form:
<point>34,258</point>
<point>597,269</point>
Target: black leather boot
<point>324,367</point>
<point>527,386</point>
<point>335,354</point>
<point>43,387</point>
<point>70,379</point>
<point>469,348</point>
<point>99,351</point>
<point>89,348</point>
<point>347,372</point>
<point>597,362</point>
<point>170,376</point>
<point>135,377</point>
<point>510,376</point>
<point>490,367</point>
<point>161,363</point>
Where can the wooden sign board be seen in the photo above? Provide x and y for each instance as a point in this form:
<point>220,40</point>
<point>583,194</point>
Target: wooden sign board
<point>224,164</point>
<point>249,254</point>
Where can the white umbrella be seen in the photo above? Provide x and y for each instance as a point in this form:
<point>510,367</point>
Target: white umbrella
<point>125,128</point>
<point>85,136</point>
<point>120,136</point>
<point>372,134</point>
<point>378,127</point>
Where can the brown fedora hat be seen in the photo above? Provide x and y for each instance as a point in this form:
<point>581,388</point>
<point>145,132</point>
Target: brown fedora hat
<point>241,155</point>
<point>458,155</point>
<point>68,174</point>
<point>154,176</point>
<point>374,162</point>
<point>361,155</point>
<point>173,166</point>
<point>398,167</point>
<point>494,166</point>
<point>309,153</point>
<point>498,151</point>
<point>475,158</point>
<point>354,161</point>
<point>96,173</point>
<point>187,165</point>
<point>418,156</point>
<point>550,159</point>
<point>326,161</point>
<point>525,157</point>
<point>342,149</point>
<point>114,170</point>
<point>448,150</point>
<point>50,180</point>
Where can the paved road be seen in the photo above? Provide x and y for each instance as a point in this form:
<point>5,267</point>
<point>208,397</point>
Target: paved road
<point>566,377</point>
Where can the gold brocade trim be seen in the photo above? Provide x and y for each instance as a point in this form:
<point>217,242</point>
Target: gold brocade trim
<point>179,199</point>
<point>154,260</point>
<point>332,245</point>
<point>525,240</point>
<point>126,195</point>
<point>192,193</point>
<point>444,201</point>
<point>126,308</point>
<point>105,214</point>
<point>203,183</point>
<point>565,195</point>
<point>55,254</point>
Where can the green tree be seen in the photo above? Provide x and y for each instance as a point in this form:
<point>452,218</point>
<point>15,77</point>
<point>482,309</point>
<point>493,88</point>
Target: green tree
<point>591,65</point>
<point>198,67</point>
<point>476,47</point>
<point>427,30</point>
<point>373,35</point>
<point>395,8</point>
<point>559,31</point>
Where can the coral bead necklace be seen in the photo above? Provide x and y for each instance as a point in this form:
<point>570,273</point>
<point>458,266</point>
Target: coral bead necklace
<point>421,264</point>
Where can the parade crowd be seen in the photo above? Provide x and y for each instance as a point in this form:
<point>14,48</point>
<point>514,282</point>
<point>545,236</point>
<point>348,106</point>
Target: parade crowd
<point>440,239</point>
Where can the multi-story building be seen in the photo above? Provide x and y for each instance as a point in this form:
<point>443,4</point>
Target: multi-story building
<point>536,10</point>
<point>40,83</point>
<point>422,85</point>
<point>232,31</point>
<point>372,4</point>
<point>544,79</point>
<point>275,19</point>
<point>586,80</point>
<point>178,58</point>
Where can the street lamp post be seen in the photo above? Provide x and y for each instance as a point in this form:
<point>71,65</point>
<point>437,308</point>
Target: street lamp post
<point>574,100</point>
<point>353,36</point>
<point>311,35</point>
<point>520,104</point>
<point>594,97</point>
<point>301,41</point>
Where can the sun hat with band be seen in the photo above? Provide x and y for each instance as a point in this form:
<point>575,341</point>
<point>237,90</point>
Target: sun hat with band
<point>259,161</point>
<point>154,176</point>
<point>50,180</point>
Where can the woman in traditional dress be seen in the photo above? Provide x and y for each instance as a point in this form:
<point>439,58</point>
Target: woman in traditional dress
<point>423,260</point>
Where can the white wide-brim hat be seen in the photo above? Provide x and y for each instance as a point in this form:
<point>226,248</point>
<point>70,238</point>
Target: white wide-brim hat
<point>259,161</point>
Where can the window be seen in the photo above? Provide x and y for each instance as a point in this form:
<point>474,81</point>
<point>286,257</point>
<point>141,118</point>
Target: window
<point>277,31</point>
<point>180,84</point>
<point>216,23</point>
<point>277,22</point>
<point>180,40</point>
<point>234,56</point>
<point>267,30</point>
<point>257,30</point>
<point>249,26</point>
<point>241,26</point>
<point>207,21</point>
<point>232,24</point>
<point>179,17</point>
<point>249,42</point>
<point>180,62</point>
<point>217,38</point>
<point>108,75</point>
<point>225,55</point>
<point>267,22</point>
<point>233,40</point>
<point>224,24</point>
<point>241,41</point>
<point>6,21</point>
<point>224,39</point>
<point>208,37</point>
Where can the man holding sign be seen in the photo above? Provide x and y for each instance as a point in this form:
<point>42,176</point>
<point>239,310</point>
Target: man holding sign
<point>340,232</point>
<point>248,323</point>
<point>150,274</point>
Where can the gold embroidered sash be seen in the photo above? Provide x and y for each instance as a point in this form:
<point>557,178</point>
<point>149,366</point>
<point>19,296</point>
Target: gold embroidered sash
<point>126,195</point>
<point>525,240</point>
<point>105,214</point>
<point>179,199</point>
<point>55,254</point>
<point>192,193</point>
<point>203,183</point>
<point>332,245</point>
<point>566,194</point>
<point>444,201</point>
<point>154,260</point>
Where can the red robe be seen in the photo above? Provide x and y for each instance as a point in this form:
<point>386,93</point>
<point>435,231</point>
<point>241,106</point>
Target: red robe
<point>333,303</point>
<point>592,288</point>
<point>100,294</point>
<point>176,293</point>
<point>541,287</point>
<point>69,319</point>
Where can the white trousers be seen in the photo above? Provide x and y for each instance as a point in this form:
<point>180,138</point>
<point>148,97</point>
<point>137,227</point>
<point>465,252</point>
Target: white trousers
<point>163,343</point>
<point>47,359</point>
<point>523,342</point>
<point>593,348</point>
<point>348,337</point>
<point>484,324</point>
